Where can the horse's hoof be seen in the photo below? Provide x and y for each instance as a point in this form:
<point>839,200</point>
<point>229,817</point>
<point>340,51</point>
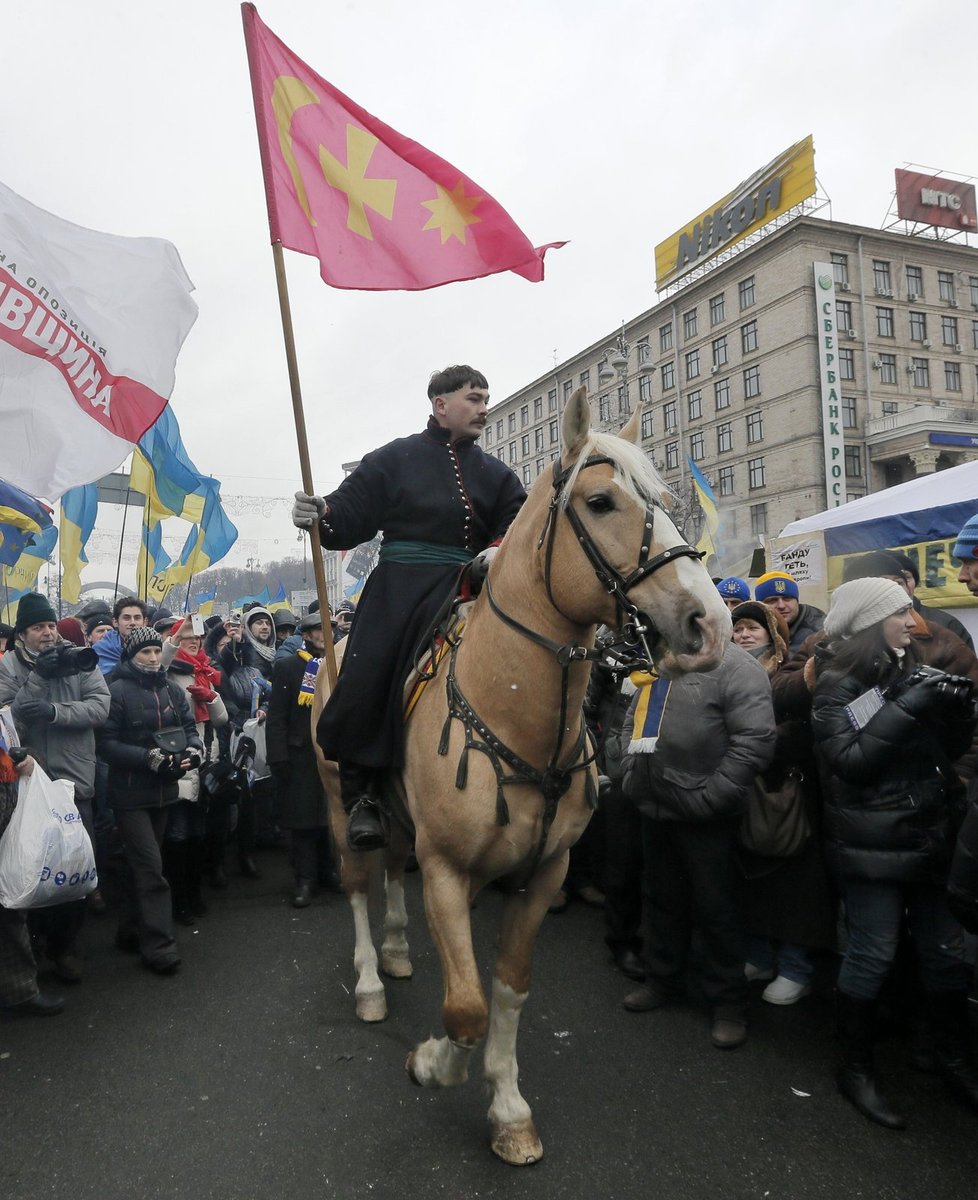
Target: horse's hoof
<point>518,1144</point>
<point>372,1007</point>
<point>412,1074</point>
<point>396,966</point>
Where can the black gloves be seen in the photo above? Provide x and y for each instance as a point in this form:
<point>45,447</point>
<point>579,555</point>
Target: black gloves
<point>36,710</point>
<point>938,692</point>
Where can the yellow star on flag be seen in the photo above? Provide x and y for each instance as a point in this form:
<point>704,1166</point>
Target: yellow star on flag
<point>361,192</point>
<point>451,212</point>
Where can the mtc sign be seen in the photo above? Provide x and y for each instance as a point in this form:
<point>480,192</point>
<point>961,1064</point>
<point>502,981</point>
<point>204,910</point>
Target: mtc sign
<point>784,182</point>
<point>833,442</point>
<point>934,200</point>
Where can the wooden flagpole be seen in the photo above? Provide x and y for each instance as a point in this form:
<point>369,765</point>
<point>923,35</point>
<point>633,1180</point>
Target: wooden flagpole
<point>319,571</point>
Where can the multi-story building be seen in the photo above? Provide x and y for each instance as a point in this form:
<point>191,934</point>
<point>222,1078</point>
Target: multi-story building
<point>726,371</point>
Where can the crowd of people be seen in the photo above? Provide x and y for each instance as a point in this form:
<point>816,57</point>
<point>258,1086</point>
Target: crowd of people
<point>150,716</point>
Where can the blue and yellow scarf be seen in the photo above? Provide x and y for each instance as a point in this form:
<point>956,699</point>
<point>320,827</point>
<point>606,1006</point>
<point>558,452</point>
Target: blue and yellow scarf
<point>650,708</point>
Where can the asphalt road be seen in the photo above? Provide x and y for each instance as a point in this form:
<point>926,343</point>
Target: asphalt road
<point>247,1075</point>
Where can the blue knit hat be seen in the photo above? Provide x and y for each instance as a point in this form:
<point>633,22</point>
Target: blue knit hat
<point>733,588</point>
<point>775,583</point>
<point>967,544</point>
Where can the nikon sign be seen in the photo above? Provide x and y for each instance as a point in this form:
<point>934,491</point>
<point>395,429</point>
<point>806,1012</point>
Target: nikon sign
<point>833,442</point>
<point>775,189</point>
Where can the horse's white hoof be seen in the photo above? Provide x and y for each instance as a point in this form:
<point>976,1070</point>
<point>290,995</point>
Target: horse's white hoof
<point>396,966</point>
<point>517,1144</point>
<point>411,1066</point>
<point>372,1007</point>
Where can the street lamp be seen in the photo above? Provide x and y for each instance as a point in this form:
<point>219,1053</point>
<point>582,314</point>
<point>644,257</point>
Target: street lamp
<point>615,367</point>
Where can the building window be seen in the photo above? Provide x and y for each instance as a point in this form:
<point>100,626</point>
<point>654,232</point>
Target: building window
<point>758,519</point>
<point>884,322</point>
<point>725,481</point>
<point>918,326</point>
<point>694,405</point>
<point>697,446</point>
<point>945,285</point>
<point>538,439</point>
<point>974,334</point>
<point>720,351</point>
<point>665,338</point>
<point>647,423</point>
<point>755,428</point>
<point>622,399</point>
<point>668,371</point>
<point>644,350</point>
<point>854,462</point>
<point>949,331</point>
<point>568,388</point>
<point>527,476</point>
<point>645,388</point>
<point>721,394</point>
<point>672,455</point>
<point>843,315</point>
<point>689,324</point>
<point>554,432</point>
<point>848,412</point>
<point>888,372</point>
<point>670,416</point>
<point>920,370</point>
<point>604,408</point>
<point>538,406</point>
<point>748,337</point>
<point>840,270</point>
<point>889,408</point>
<point>752,382</point>
<point>745,289</point>
<point>881,277</point>
<point>540,464</point>
<point>488,434</point>
<point>755,472</point>
<point>501,455</point>
<point>717,309</point>
<point>952,376</point>
<point>724,437</point>
<point>915,283</point>
<point>524,416</point>
<point>525,445</point>
<point>693,364</point>
<point>512,452</point>
<point>586,379</point>
<point>847,364</point>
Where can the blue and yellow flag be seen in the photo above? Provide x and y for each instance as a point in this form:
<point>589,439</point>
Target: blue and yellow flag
<point>163,472</point>
<point>204,602</point>
<point>22,519</point>
<point>279,600</point>
<point>261,599</point>
<point>79,509</point>
<point>708,542</point>
<point>20,578</point>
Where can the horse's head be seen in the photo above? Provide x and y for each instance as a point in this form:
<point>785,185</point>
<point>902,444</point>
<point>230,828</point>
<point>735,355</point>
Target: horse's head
<point>610,553</point>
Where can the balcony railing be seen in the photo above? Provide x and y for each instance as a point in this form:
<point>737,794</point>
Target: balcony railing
<point>920,415</point>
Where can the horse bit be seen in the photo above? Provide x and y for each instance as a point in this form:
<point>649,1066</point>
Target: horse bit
<point>555,780</point>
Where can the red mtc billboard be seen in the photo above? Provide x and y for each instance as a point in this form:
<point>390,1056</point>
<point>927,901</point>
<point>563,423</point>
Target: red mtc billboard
<point>933,200</point>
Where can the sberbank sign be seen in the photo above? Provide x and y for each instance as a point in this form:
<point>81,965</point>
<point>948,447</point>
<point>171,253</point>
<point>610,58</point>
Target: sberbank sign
<point>727,223</point>
<point>833,438</point>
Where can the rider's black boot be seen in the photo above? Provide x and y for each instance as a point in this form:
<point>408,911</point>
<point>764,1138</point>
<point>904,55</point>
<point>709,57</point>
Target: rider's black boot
<point>367,827</point>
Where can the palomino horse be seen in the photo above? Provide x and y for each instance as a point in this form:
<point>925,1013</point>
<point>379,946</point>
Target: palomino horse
<point>498,776</point>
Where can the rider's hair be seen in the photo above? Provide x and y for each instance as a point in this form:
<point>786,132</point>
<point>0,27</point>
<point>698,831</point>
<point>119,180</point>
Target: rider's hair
<point>453,378</point>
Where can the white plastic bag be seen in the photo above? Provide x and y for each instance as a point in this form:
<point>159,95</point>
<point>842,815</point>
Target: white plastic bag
<point>254,729</point>
<point>46,855</point>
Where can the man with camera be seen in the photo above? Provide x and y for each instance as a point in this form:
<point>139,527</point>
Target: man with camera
<point>58,699</point>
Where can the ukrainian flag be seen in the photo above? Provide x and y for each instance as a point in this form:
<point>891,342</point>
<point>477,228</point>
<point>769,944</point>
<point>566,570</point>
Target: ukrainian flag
<point>204,602</point>
<point>261,599</point>
<point>709,542</point>
<point>279,600</point>
<point>79,508</point>
<point>20,578</point>
<point>22,519</point>
<point>163,472</point>
<point>208,542</point>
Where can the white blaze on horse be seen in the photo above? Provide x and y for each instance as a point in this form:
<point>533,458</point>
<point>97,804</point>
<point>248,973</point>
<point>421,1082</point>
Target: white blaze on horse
<point>499,780</point>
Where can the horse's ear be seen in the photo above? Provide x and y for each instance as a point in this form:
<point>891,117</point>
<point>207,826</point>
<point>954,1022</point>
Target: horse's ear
<point>576,424</point>
<point>630,430</point>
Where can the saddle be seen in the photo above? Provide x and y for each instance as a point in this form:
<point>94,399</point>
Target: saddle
<point>435,647</point>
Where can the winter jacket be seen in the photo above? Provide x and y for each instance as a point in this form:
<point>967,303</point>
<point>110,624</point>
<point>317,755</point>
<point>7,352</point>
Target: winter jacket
<point>288,737</point>
<point>717,733</point>
<point>141,705</point>
<point>887,810</point>
<point>962,884</point>
<point>65,747</point>
<point>809,620</point>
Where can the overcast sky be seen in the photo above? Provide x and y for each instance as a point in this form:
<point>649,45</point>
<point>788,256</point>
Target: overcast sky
<point>608,125</point>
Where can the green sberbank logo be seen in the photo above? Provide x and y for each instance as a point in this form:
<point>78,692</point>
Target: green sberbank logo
<point>825,282</point>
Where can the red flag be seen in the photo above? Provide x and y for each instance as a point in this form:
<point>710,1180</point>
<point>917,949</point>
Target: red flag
<point>379,211</point>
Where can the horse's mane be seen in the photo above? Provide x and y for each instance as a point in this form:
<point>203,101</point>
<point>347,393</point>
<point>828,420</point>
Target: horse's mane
<point>634,473</point>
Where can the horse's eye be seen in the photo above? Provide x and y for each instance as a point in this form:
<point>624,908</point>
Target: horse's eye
<point>600,503</point>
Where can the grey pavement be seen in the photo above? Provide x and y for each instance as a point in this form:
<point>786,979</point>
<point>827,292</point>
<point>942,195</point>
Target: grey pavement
<point>248,1076</point>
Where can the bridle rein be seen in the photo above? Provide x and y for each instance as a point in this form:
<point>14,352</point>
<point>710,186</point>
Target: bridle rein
<point>555,779</point>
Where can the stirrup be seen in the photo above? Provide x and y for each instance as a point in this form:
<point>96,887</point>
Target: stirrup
<point>367,826</point>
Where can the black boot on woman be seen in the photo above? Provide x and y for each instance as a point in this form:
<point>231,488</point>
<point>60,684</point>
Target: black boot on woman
<point>857,1072</point>
<point>955,1060</point>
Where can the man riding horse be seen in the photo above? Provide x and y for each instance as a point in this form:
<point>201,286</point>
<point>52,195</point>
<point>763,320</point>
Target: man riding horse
<point>441,502</point>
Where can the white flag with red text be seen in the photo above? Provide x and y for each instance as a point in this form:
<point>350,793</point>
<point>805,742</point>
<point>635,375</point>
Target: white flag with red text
<point>90,328</point>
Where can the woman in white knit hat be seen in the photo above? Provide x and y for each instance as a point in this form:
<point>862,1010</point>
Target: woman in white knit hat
<point>887,735</point>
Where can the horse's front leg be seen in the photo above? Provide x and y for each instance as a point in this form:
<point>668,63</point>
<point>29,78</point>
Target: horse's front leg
<point>514,1136</point>
<point>395,957</point>
<point>443,1062</point>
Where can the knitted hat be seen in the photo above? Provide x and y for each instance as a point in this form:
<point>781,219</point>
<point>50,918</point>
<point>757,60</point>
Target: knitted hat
<point>32,610</point>
<point>873,564</point>
<point>138,639</point>
<point>860,603</point>
<point>906,564</point>
<point>97,619</point>
<point>71,630</point>
<point>776,583</point>
<point>733,588</point>
<point>967,544</point>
